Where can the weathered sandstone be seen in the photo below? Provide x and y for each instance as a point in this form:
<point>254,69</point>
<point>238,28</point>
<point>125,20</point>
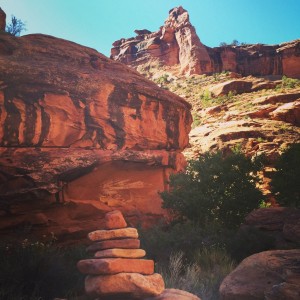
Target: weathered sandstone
<point>122,253</point>
<point>262,275</point>
<point>177,44</point>
<point>77,127</point>
<point>100,235</point>
<point>109,244</point>
<point>128,284</point>
<point>174,294</point>
<point>2,20</point>
<point>115,266</point>
<point>114,220</point>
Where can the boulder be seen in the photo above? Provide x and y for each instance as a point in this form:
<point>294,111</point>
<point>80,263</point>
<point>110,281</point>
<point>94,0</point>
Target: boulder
<point>289,112</point>
<point>174,294</point>
<point>234,86</point>
<point>132,285</point>
<point>267,275</point>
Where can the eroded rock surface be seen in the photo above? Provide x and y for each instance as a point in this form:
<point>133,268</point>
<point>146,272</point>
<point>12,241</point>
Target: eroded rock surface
<point>267,275</point>
<point>84,129</point>
<point>177,44</point>
<point>2,20</point>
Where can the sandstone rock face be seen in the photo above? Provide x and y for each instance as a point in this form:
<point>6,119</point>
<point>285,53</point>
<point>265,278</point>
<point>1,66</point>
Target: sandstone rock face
<point>2,20</point>
<point>121,244</point>
<point>100,235</point>
<point>267,275</point>
<point>115,220</point>
<point>177,44</point>
<point>281,222</point>
<point>79,126</point>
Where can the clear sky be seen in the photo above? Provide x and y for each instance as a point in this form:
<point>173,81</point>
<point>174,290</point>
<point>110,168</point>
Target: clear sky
<point>98,23</point>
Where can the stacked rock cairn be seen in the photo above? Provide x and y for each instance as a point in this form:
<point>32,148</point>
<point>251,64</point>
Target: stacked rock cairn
<point>117,270</point>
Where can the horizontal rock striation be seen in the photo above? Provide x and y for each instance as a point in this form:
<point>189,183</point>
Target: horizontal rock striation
<point>81,127</point>
<point>176,43</point>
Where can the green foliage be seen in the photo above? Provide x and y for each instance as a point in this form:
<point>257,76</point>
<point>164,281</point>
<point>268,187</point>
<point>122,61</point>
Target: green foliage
<point>39,271</point>
<point>289,82</point>
<point>286,180</point>
<point>15,27</point>
<point>162,79</point>
<point>215,189</point>
<point>249,241</point>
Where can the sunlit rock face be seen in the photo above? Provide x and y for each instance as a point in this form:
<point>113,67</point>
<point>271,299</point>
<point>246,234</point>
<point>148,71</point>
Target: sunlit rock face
<point>176,43</point>
<point>78,126</point>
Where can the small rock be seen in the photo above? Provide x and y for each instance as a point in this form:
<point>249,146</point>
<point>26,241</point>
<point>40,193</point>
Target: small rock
<point>115,220</point>
<point>100,235</point>
<point>126,253</point>
<point>111,266</point>
<point>129,284</point>
<point>110,244</point>
<point>174,294</point>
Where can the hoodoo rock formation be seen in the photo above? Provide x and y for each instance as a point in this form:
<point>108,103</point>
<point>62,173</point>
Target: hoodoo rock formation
<point>177,44</point>
<point>77,126</point>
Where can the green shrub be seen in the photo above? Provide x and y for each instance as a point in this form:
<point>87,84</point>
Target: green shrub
<point>39,271</point>
<point>215,189</point>
<point>286,180</point>
<point>289,82</point>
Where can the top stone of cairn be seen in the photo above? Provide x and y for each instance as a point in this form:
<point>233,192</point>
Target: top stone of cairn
<point>114,220</point>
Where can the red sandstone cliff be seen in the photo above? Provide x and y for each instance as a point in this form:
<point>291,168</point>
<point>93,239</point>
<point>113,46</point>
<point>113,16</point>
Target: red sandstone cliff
<point>77,125</point>
<point>177,44</point>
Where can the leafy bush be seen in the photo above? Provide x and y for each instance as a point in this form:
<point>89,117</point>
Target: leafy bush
<point>215,189</point>
<point>15,27</point>
<point>39,271</point>
<point>285,181</point>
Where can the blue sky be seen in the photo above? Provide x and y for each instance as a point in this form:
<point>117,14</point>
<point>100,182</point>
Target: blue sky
<point>98,23</point>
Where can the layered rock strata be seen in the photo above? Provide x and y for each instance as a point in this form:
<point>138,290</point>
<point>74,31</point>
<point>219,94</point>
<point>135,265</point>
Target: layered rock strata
<point>76,126</point>
<point>177,44</point>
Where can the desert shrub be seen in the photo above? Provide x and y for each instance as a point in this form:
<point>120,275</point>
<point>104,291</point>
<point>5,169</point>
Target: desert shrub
<point>39,270</point>
<point>15,27</point>
<point>248,241</point>
<point>289,82</point>
<point>161,240</point>
<point>215,189</point>
<point>285,181</point>
<point>202,276</point>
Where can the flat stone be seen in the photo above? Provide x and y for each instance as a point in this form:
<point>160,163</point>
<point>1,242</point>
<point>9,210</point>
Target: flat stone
<point>174,294</point>
<point>128,284</point>
<point>100,235</point>
<point>126,253</point>
<point>114,220</point>
<point>108,266</point>
<point>109,244</point>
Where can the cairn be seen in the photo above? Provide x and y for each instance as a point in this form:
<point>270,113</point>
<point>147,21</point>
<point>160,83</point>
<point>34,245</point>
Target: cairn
<point>118,270</point>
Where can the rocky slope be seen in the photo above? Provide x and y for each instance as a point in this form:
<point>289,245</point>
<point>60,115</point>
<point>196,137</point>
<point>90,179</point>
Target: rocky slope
<point>76,126</point>
<point>176,43</point>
